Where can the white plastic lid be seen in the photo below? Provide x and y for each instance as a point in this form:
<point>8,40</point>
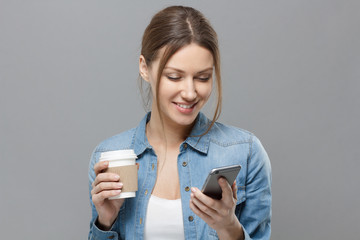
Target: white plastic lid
<point>119,154</point>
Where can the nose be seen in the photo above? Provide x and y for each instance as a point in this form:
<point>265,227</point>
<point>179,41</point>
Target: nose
<point>188,91</point>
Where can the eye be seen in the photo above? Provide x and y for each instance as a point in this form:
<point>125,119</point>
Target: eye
<point>173,78</point>
<point>204,78</point>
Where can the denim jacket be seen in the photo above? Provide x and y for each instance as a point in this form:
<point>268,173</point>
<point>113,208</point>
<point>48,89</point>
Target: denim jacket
<point>221,146</point>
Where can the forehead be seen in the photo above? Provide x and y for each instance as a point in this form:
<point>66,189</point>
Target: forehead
<point>191,58</point>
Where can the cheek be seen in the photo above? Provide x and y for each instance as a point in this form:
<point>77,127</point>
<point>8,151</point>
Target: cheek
<point>205,91</point>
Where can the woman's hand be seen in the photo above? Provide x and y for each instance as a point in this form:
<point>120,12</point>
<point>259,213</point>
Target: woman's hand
<point>104,186</point>
<point>218,214</point>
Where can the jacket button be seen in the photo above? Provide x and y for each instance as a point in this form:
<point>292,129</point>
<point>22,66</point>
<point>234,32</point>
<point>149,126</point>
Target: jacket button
<point>187,189</point>
<point>146,191</point>
<point>191,218</point>
<point>184,164</point>
<point>185,145</point>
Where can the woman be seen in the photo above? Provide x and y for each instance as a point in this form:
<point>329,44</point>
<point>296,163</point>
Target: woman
<point>177,146</point>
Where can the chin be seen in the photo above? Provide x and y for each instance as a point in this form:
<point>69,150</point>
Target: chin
<point>185,121</point>
<point>180,119</point>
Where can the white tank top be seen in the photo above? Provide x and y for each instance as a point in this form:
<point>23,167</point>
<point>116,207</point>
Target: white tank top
<point>164,219</point>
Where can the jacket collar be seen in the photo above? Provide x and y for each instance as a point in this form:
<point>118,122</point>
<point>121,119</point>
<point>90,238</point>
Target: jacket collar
<point>201,144</point>
<point>141,142</point>
<point>195,140</point>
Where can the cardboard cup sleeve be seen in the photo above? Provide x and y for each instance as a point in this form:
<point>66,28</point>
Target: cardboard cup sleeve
<point>128,176</point>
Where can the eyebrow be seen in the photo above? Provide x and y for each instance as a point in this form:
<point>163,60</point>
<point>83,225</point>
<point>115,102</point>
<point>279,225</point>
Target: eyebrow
<point>181,71</point>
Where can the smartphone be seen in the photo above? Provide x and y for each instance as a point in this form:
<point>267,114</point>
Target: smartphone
<point>211,186</point>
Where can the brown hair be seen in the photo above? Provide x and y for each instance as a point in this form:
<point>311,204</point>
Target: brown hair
<point>173,28</point>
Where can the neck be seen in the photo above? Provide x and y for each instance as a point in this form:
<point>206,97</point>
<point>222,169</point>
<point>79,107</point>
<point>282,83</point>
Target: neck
<point>166,133</point>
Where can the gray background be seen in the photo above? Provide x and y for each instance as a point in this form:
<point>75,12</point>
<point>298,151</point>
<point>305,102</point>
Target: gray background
<point>68,72</point>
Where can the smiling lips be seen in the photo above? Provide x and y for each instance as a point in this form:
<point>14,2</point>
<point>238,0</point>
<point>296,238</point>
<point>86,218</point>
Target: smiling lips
<point>185,108</point>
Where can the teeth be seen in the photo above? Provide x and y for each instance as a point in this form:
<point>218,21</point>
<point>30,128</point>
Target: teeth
<point>185,106</point>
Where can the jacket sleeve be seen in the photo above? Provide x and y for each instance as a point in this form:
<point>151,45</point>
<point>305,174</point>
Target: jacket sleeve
<point>95,233</point>
<point>255,212</point>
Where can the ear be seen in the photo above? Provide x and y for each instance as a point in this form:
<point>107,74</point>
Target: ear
<point>143,68</point>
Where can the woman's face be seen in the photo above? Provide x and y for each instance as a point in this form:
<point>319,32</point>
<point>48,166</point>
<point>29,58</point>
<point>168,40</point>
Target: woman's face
<point>185,84</point>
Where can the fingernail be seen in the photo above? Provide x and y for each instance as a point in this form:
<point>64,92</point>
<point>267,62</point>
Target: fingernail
<point>193,189</point>
<point>116,177</point>
<point>120,184</point>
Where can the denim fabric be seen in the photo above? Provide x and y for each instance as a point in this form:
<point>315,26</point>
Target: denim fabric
<point>221,146</point>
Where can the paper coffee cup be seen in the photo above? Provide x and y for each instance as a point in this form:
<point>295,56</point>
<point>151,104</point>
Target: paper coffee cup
<point>123,163</point>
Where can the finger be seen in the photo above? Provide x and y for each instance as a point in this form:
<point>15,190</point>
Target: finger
<point>234,189</point>
<point>100,166</point>
<point>202,207</point>
<point>199,213</point>
<point>206,200</point>
<point>227,192</point>
<point>106,177</point>
<point>100,197</point>
<point>105,186</point>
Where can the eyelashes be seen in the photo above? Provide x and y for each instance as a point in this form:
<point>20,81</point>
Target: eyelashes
<point>204,79</point>
<point>173,78</point>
